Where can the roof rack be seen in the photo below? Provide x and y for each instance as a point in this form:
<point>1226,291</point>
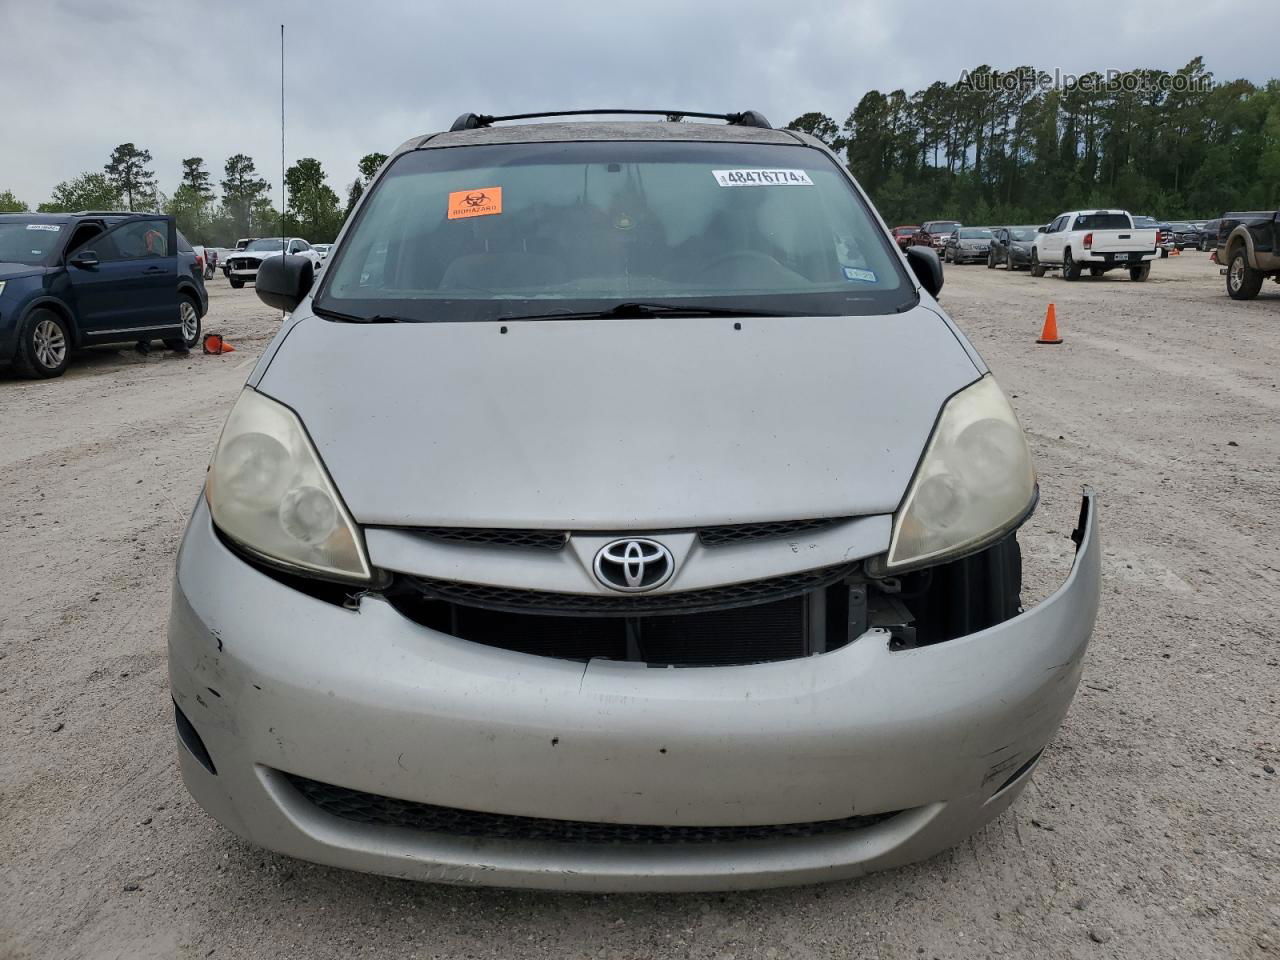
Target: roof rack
<point>747,118</point>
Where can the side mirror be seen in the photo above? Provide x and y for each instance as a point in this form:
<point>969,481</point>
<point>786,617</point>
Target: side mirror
<point>926,266</point>
<point>284,281</point>
<point>1042,229</point>
<point>85,259</point>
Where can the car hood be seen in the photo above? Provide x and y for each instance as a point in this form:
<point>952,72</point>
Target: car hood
<point>256,254</point>
<point>15,271</point>
<point>649,424</point>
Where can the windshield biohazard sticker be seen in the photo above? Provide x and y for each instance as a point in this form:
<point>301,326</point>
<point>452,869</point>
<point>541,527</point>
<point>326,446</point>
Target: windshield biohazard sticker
<point>483,202</point>
<point>762,178</point>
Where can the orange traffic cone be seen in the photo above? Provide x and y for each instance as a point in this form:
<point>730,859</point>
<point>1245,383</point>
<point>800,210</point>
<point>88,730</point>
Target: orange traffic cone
<point>214,343</point>
<point>1050,332</point>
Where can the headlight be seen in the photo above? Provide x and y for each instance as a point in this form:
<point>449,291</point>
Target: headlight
<point>269,492</point>
<point>974,484</point>
<point>1,286</point>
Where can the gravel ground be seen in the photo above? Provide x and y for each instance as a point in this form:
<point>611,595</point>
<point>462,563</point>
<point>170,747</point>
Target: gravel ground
<point>1152,828</point>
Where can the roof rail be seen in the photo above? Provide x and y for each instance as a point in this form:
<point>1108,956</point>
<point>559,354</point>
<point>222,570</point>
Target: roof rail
<point>747,118</point>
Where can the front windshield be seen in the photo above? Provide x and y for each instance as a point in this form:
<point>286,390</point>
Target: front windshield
<point>975,233</point>
<point>487,232</point>
<point>28,241</point>
<point>1022,233</point>
<point>943,226</point>
<point>267,243</point>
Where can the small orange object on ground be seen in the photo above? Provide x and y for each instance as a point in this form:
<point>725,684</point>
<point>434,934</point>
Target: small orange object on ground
<point>214,343</point>
<point>1050,332</point>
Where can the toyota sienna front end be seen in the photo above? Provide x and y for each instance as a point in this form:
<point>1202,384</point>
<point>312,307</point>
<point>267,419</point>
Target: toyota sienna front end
<point>618,511</point>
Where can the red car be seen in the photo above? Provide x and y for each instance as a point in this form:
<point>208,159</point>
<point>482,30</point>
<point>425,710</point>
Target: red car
<point>902,235</point>
<point>934,233</point>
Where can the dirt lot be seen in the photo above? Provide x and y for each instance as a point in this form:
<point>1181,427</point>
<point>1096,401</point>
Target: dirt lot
<point>1152,828</point>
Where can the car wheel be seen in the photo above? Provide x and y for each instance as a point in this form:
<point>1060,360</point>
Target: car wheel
<point>1096,271</point>
<point>1163,253</point>
<point>1037,268</point>
<point>190,315</point>
<point>1140,273</point>
<point>1243,282</point>
<point>236,283</point>
<point>991,259</point>
<point>44,346</point>
<point>1070,269</point>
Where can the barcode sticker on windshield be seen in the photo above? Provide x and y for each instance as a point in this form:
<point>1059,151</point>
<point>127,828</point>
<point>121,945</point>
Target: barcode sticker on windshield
<point>762,178</point>
<point>51,227</point>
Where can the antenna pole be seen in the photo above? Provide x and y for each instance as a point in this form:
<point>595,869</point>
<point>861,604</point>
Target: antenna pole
<point>284,197</point>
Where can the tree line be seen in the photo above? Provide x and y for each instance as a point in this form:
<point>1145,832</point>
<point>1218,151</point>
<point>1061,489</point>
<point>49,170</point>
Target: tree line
<point>1016,146</point>
<point>243,209</point>
<point>1023,145</point>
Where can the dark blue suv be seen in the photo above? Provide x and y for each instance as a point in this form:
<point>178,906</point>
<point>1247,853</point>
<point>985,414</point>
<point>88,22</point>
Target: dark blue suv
<point>74,279</point>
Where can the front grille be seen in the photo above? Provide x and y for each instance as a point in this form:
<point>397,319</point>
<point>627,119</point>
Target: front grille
<point>745,532</point>
<point>555,539</point>
<point>244,264</point>
<point>372,808</point>
<point>498,536</point>
<point>512,599</point>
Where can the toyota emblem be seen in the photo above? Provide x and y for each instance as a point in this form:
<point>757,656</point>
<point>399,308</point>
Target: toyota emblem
<point>633,566</point>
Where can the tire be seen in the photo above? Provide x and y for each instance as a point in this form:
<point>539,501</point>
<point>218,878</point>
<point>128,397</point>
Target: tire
<point>44,346</point>
<point>1140,273</point>
<point>946,254</point>
<point>1070,269</point>
<point>1096,271</point>
<point>1163,253</point>
<point>1037,268</point>
<point>991,259</point>
<point>1008,263</point>
<point>236,283</point>
<point>1243,282</point>
<point>190,314</point>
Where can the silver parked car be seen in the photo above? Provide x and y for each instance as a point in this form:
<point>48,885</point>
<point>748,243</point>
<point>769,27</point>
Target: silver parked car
<point>617,510</point>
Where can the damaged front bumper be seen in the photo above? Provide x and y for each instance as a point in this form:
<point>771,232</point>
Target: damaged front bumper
<point>286,702</point>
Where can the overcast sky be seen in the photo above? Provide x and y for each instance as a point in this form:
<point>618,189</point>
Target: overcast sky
<point>201,77</point>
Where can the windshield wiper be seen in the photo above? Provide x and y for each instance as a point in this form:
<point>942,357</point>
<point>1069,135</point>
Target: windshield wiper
<point>376,318</point>
<point>633,310</point>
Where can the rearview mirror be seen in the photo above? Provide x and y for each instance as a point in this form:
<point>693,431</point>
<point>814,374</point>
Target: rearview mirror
<point>284,281</point>
<point>85,259</point>
<point>927,268</point>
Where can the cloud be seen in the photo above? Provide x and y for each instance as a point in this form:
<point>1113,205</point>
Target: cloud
<point>202,79</point>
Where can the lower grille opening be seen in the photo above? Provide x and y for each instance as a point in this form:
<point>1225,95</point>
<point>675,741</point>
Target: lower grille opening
<point>785,629</point>
<point>191,739</point>
<point>782,618</point>
<point>374,809</point>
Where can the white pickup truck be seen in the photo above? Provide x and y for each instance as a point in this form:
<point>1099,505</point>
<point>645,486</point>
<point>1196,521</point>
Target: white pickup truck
<point>1101,240</point>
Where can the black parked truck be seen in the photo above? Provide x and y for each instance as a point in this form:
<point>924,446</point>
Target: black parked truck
<point>1249,249</point>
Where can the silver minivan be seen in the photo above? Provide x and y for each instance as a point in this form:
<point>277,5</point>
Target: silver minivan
<point>617,510</point>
